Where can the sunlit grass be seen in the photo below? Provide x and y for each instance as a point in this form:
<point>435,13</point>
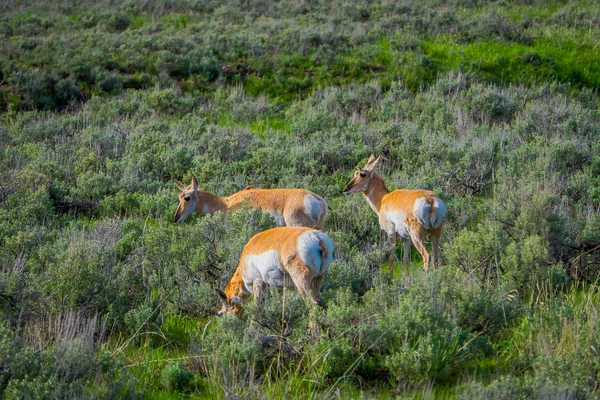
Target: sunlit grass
<point>147,353</point>
<point>550,58</point>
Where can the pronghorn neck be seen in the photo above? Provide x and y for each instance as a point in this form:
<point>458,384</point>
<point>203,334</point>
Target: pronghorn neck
<point>235,287</point>
<point>211,203</point>
<point>375,193</point>
<point>236,200</point>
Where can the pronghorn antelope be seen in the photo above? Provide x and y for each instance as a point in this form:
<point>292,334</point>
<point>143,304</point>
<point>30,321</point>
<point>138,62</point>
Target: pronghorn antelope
<point>403,214</point>
<point>289,207</point>
<point>279,257</point>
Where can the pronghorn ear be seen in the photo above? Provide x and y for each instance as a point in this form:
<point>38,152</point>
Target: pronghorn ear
<point>372,163</point>
<point>194,183</point>
<point>236,300</point>
<point>180,185</point>
<point>221,295</point>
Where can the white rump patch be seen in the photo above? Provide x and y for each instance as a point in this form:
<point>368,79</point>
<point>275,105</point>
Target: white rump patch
<point>314,207</point>
<point>421,212</point>
<point>277,216</point>
<point>266,267</point>
<point>429,219</point>
<point>312,254</point>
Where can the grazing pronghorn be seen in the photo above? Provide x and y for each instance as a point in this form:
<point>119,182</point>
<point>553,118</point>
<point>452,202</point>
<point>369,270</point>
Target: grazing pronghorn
<point>289,207</point>
<point>405,214</point>
<point>279,257</point>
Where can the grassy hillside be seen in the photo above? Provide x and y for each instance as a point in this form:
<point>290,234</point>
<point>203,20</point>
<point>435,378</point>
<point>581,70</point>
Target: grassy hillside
<point>493,105</point>
<point>63,51</point>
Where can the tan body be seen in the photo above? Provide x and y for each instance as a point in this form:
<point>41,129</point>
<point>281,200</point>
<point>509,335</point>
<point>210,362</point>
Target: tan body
<point>289,207</point>
<point>279,257</point>
<point>408,215</point>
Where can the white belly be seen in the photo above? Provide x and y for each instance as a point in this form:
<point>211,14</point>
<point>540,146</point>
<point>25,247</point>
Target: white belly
<point>395,223</point>
<point>265,267</point>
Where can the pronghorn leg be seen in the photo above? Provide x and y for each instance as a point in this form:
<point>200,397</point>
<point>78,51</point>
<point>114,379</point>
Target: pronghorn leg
<point>258,288</point>
<point>302,278</point>
<point>406,257</point>
<point>307,283</point>
<point>435,244</point>
<point>417,234</point>
<point>393,239</point>
<point>315,286</point>
<point>313,328</point>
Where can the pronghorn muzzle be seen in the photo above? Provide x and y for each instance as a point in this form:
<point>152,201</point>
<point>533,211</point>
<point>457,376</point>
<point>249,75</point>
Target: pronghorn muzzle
<point>348,187</point>
<point>178,217</point>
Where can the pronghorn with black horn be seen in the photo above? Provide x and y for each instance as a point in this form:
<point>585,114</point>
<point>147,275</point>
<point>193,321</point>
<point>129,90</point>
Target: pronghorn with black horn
<point>279,257</point>
<point>289,207</point>
<point>404,214</point>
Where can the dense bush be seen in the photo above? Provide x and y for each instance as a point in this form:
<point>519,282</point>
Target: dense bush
<point>70,369</point>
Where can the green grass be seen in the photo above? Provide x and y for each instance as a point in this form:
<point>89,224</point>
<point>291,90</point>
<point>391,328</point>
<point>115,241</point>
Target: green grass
<point>262,127</point>
<point>164,343</point>
<point>573,61</point>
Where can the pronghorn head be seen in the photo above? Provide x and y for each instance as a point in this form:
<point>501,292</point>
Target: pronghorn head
<point>362,177</point>
<point>188,198</point>
<point>231,306</point>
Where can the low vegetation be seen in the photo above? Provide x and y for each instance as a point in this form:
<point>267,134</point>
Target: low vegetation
<point>492,105</point>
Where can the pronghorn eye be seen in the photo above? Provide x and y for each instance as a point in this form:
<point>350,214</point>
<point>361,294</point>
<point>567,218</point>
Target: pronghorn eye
<point>187,198</point>
<point>363,174</point>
